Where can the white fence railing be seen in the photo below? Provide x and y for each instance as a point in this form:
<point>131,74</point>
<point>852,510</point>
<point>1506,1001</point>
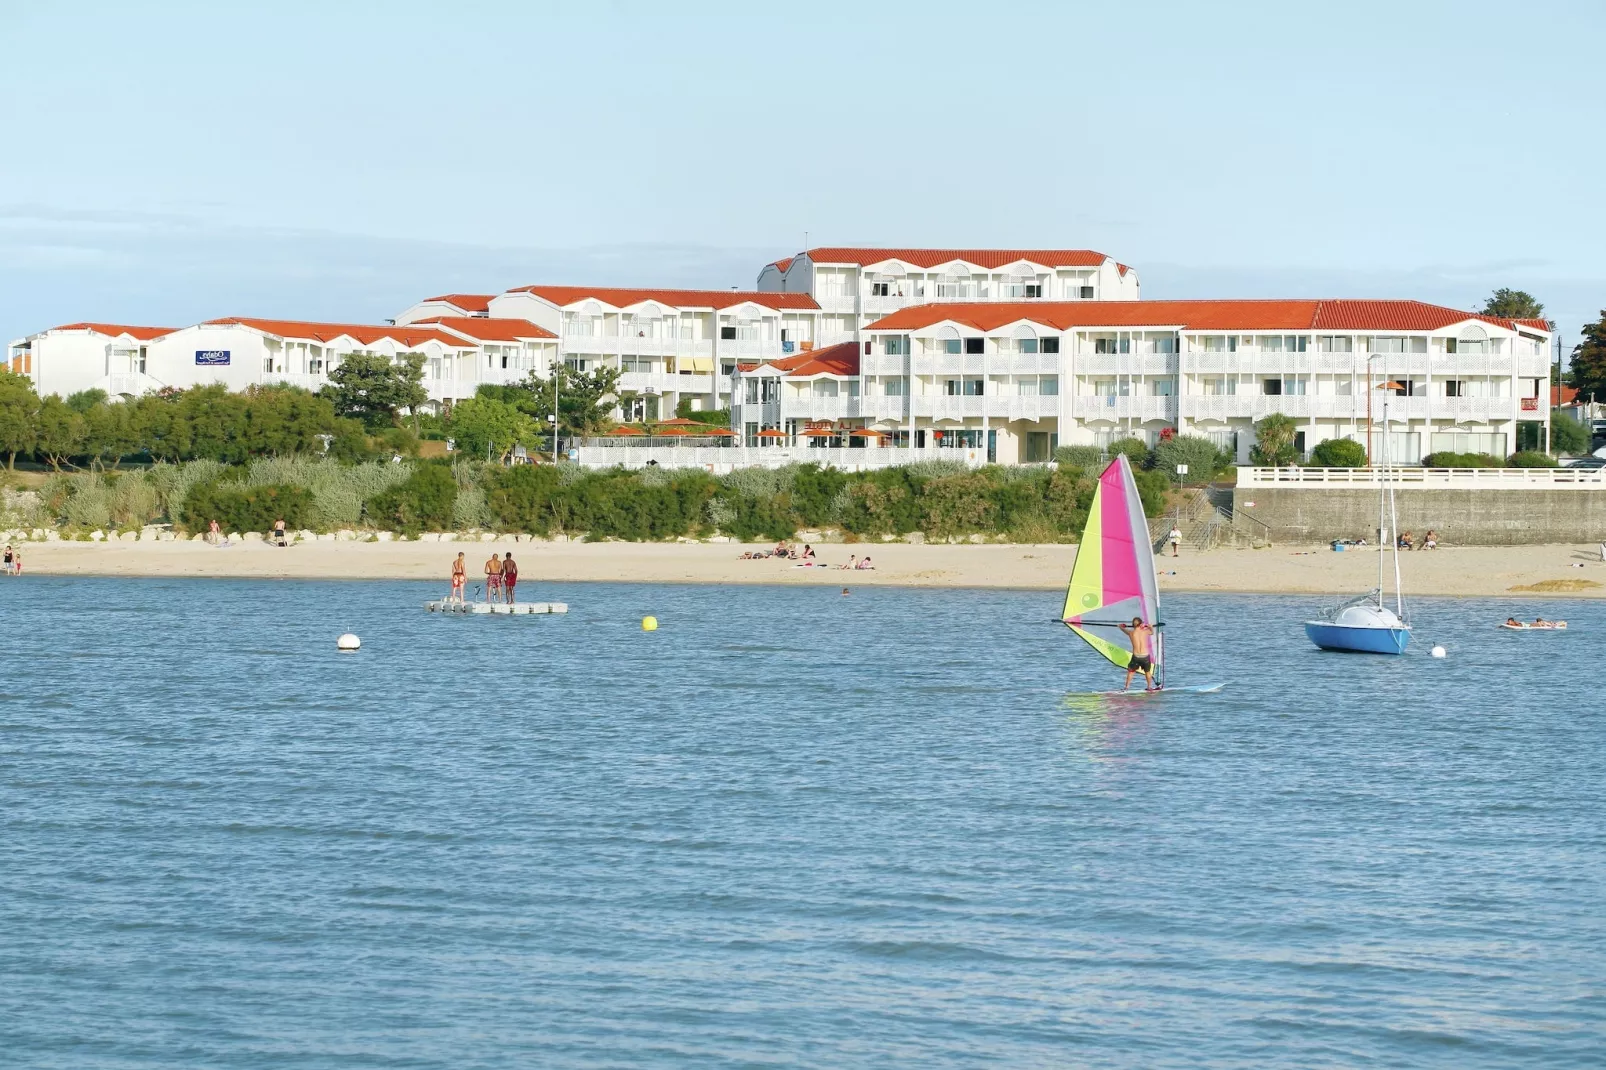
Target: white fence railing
<point>721,459</point>
<point>1427,478</point>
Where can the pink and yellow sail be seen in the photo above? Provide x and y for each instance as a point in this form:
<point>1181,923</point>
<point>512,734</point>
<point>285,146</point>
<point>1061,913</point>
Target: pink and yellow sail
<point>1113,579</point>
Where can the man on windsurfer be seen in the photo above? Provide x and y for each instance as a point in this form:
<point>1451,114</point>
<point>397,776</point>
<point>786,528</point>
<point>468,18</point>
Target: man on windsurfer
<point>1141,662</point>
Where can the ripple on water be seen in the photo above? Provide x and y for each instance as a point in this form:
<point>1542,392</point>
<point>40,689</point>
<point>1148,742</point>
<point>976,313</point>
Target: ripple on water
<point>784,830</point>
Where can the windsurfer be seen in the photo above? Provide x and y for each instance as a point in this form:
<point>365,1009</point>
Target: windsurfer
<point>1142,661</point>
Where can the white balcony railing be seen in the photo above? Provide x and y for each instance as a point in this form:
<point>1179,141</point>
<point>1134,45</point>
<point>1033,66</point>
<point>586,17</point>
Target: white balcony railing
<point>1135,407</point>
<point>664,382</point>
<point>727,458</point>
<point>992,406</point>
<point>1126,364</point>
<point>629,345</point>
<point>1473,478</point>
<point>133,384</point>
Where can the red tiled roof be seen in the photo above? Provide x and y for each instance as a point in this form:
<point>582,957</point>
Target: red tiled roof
<point>929,258</point>
<point>113,330</point>
<point>487,329</point>
<point>621,297</point>
<point>1121,269</point>
<point>466,302</point>
<point>1561,394</point>
<point>1543,325</point>
<point>840,359</point>
<point>366,333</point>
<point>782,264</point>
<point>1234,315</point>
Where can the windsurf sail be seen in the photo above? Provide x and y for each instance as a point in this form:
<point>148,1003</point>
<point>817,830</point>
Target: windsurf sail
<point>1113,579</point>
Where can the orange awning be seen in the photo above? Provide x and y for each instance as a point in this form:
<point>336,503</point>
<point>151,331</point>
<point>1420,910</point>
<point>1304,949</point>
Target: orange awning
<point>625,429</point>
<point>819,432</point>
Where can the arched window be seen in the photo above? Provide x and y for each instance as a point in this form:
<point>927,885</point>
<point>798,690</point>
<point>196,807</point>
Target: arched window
<point>948,340</point>
<point>1025,338</point>
<point>1471,339</point>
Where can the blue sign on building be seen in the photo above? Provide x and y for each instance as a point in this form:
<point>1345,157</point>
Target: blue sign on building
<point>211,356</point>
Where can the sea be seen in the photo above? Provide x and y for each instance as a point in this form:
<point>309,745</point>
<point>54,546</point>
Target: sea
<point>800,827</point>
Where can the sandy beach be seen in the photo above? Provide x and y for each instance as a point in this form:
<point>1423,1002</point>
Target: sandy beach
<point>1453,571</point>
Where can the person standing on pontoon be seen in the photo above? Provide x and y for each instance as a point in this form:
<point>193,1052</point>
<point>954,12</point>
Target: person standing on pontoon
<point>510,577</point>
<point>459,577</point>
<point>493,578</point>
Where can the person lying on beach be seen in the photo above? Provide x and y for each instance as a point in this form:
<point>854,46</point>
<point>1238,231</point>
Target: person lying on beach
<point>853,562</point>
<point>865,564</point>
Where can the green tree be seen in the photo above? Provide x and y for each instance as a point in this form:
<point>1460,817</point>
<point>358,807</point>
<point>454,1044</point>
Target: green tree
<point>85,400</point>
<point>60,432</point>
<point>1568,435</point>
<point>1513,305</point>
<point>373,388</point>
<point>281,421</point>
<point>108,433</point>
<point>1274,441</point>
<point>1588,373</point>
<point>1338,453</point>
<point>585,399</point>
<point>1133,449</point>
<point>483,424</point>
<point>19,413</point>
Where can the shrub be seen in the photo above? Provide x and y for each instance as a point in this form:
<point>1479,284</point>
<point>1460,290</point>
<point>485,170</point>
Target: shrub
<point>1445,459</point>
<point>958,504</point>
<point>1152,487</point>
<point>240,507</point>
<point>1133,449</point>
<point>134,501</point>
<point>1274,441</point>
<point>1532,459</point>
<point>1338,453</point>
<point>1568,435</point>
<point>1079,457</point>
<point>1203,458</point>
<point>426,500</point>
<point>90,503</point>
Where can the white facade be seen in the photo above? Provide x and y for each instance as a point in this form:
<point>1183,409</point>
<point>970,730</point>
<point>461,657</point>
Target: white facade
<point>856,286</point>
<point>459,354</point>
<point>449,305</point>
<point>1018,380</point>
<point>88,356</point>
<point>667,344</point>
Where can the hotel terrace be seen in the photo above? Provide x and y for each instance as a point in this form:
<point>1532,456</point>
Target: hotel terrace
<point>855,286</point>
<point>1009,381</point>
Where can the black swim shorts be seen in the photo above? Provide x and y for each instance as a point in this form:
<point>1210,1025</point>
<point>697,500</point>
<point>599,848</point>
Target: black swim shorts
<point>1139,663</point>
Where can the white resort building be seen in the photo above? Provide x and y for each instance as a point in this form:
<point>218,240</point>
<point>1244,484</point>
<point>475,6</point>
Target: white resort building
<point>667,344</point>
<point>459,354</point>
<point>1013,380</point>
<point>855,286</point>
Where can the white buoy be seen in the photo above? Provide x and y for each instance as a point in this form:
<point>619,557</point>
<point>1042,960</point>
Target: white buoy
<point>348,642</point>
<point>1437,652</point>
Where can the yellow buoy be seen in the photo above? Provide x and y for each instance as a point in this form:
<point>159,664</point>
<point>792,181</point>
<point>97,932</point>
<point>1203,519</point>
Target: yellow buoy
<point>649,624</point>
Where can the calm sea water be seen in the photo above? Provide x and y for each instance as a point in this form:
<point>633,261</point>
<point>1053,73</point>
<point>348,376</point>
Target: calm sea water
<point>788,828</point>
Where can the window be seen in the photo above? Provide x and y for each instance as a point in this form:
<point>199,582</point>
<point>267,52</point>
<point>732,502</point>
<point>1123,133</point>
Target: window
<point>1112,345</point>
<point>1467,442</point>
<point>1027,345</point>
<point>951,345</point>
<point>893,346</point>
<point>975,345</point>
<point>867,349</point>
<point>1165,345</point>
<point>1455,388</point>
<point>1162,388</point>
<point>1027,387</point>
<point>1343,388</point>
<point>1048,385</point>
<point>1294,385</point>
<point>752,392</point>
<point>853,388</point>
<point>825,388</point>
<point>1271,386</point>
<point>880,289</point>
<point>1408,388</point>
<point>1403,345</point>
<point>727,370</point>
<point>1334,343</point>
<point>970,388</point>
<point>1034,290</point>
<point>727,334</point>
<point>770,390</point>
<point>1086,293</point>
<point>1104,388</point>
<point>893,388</point>
<point>1048,345</point>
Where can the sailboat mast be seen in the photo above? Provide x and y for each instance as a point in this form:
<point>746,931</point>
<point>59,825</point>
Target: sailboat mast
<point>1384,533</point>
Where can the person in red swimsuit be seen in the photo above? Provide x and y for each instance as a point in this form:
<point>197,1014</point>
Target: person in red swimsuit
<point>493,577</point>
<point>510,578</point>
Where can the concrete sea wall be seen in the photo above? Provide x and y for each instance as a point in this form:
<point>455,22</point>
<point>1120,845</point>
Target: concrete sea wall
<point>1483,516</point>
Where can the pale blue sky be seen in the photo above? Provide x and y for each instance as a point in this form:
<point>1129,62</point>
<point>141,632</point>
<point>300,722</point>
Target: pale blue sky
<point>167,162</point>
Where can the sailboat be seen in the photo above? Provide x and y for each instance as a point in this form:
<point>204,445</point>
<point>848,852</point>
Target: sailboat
<point>1114,578</point>
<point>1366,625</point>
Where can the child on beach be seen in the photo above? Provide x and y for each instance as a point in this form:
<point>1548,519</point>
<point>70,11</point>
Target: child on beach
<point>9,556</point>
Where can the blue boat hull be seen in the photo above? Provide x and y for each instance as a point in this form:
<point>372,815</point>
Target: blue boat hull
<point>1358,640</point>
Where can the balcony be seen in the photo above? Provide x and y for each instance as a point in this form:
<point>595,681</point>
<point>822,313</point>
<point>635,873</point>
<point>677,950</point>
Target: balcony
<point>1127,363</point>
<point>992,407</point>
<point>131,384</point>
<point>1141,407</point>
<point>882,364</point>
<point>631,346</point>
<point>664,382</point>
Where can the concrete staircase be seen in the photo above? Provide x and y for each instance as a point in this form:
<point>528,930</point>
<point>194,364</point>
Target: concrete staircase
<point>1207,520</point>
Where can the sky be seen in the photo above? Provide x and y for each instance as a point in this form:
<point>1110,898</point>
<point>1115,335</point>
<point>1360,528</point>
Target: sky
<point>165,163</point>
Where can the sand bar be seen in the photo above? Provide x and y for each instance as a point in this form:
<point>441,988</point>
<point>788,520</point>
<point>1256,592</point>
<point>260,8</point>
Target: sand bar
<point>1457,571</point>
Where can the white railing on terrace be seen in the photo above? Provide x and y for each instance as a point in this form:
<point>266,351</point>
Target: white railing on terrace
<point>1135,407</point>
<point>993,406</point>
<point>641,382</point>
<point>725,458</point>
<point>134,384</point>
<point>1125,364</point>
<point>630,345</point>
<point>1427,478</point>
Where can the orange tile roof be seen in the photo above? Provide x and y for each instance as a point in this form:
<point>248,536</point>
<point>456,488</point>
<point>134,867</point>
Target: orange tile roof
<point>366,333</point>
<point>487,329</point>
<point>621,297</point>
<point>840,359</point>
<point>1561,394</point>
<point>113,330</point>
<point>466,302</point>
<point>782,264</point>
<point>929,258</point>
<point>1232,315</point>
